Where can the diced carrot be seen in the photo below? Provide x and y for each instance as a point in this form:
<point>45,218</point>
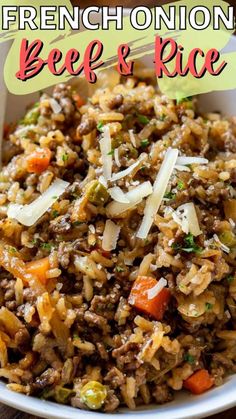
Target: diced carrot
<point>39,160</point>
<point>11,262</point>
<point>155,306</point>
<point>78,100</point>
<point>39,269</point>
<point>199,382</point>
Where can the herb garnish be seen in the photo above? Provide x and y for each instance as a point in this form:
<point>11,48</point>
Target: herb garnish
<point>65,157</point>
<point>77,223</point>
<point>144,143</point>
<point>230,278</point>
<point>55,213</point>
<point>170,195</point>
<point>46,246</point>
<point>180,185</point>
<point>143,119</point>
<point>119,269</point>
<point>189,358</point>
<point>189,245</point>
<point>100,126</point>
<point>208,306</point>
<point>111,153</point>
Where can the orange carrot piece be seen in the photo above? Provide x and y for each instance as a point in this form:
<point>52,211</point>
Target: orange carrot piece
<point>39,269</point>
<point>138,297</point>
<point>199,382</point>
<point>11,262</point>
<point>39,160</point>
<point>78,100</point>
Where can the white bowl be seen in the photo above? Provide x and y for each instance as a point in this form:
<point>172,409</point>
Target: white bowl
<point>184,406</point>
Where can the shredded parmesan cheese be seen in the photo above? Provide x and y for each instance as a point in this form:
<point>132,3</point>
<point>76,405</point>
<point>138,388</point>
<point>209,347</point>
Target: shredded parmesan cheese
<point>153,292</point>
<point>223,247</point>
<point>132,138</point>
<point>29,214</point>
<point>116,157</point>
<point>110,236</point>
<point>191,214</point>
<point>187,216</point>
<point>102,180</point>
<point>134,197</point>
<point>106,155</point>
<point>182,161</point>
<point>154,201</point>
<point>126,172</point>
<point>182,168</point>
<point>118,195</point>
<point>56,108</point>
<point>181,220</point>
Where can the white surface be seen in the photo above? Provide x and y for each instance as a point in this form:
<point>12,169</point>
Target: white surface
<point>184,406</point>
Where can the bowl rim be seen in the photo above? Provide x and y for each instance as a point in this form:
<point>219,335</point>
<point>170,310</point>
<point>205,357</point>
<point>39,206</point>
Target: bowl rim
<point>216,400</point>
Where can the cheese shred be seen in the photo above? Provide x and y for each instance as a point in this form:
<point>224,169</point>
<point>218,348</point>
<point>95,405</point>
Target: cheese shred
<point>154,201</point>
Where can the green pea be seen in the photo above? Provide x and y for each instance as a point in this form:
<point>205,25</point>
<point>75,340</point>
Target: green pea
<point>93,394</point>
<point>96,193</point>
<point>31,117</point>
<point>228,238</point>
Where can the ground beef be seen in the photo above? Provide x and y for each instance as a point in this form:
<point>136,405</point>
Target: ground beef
<point>86,127</point>
<point>102,351</point>
<point>63,254</point>
<point>162,393</point>
<point>95,320</point>
<point>61,224</point>
<point>126,356</point>
<point>22,340</point>
<point>115,378</point>
<point>116,101</point>
<point>46,379</point>
<point>105,305</point>
<point>111,402</point>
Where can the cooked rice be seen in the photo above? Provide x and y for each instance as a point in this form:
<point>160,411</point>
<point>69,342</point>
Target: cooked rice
<point>78,325</point>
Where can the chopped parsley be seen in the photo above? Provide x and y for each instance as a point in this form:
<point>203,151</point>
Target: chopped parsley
<point>170,195</point>
<point>143,119</point>
<point>65,157</point>
<point>100,126</point>
<point>54,197</point>
<point>208,306</point>
<point>46,246</point>
<point>189,245</point>
<point>75,336</point>
<point>12,250</point>
<point>144,143</point>
<point>230,278</point>
<point>111,153</point>
<point>34,242</point>
<point>119,269</point>
<point>180,185</point>
<point>77,223</point>
<point>162,117</point>
<point>189,358</point>
<point>55,213</point>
